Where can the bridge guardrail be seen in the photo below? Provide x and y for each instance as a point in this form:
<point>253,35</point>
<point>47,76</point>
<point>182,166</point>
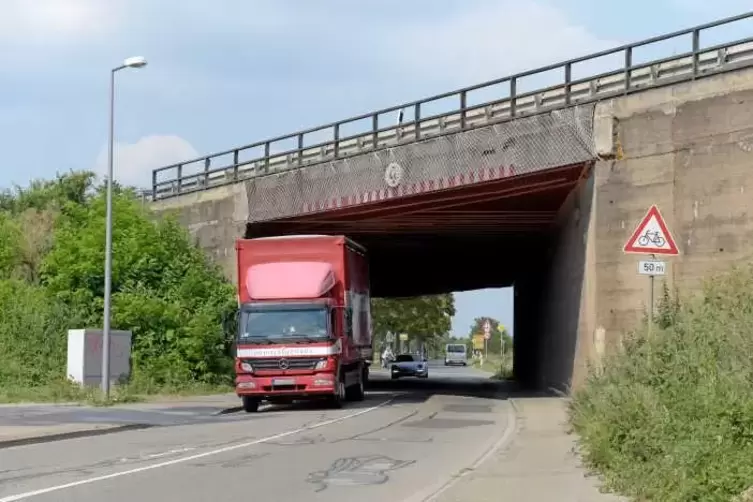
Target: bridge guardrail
<point>228,167</point>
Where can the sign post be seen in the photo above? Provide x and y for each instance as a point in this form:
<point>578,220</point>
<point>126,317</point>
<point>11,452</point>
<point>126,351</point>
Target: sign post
<point>652,237</point>
<point>487,336</point>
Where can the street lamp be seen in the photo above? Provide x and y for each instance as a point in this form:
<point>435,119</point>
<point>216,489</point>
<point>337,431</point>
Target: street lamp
<point>134,62</point>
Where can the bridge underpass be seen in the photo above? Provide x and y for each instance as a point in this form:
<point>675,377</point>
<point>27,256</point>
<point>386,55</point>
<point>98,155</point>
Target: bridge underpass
<point>492,234</point>
<point>462,238</point>
<point>537,189</point>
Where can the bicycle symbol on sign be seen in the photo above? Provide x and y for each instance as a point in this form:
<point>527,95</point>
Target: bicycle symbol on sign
<point>654,238</point>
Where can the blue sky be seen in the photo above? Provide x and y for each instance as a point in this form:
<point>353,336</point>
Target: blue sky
<point>230,72</point>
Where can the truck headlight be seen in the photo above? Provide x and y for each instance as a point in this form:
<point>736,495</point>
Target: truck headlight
<point>247,367</point>
<point>321,365</point>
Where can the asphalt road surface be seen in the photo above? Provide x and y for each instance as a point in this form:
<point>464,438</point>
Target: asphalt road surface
<point>405,442</point>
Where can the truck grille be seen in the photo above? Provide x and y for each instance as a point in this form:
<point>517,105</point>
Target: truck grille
<point>281,363</point>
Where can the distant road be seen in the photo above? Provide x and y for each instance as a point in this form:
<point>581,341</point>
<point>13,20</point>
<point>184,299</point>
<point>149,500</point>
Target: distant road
<point>438,370</point>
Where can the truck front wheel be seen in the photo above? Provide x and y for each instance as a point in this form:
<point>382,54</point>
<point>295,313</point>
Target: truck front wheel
<point>250,405</point>
<point>365,375</point>
<point>356,392</point>
<point>340,395</point>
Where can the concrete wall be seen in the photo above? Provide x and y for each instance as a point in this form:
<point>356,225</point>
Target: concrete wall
<point>216,218</point>
<point>567,305</point>
<point>689,149</point>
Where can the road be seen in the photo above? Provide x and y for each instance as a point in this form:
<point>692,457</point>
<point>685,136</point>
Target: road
<point>405,442</point>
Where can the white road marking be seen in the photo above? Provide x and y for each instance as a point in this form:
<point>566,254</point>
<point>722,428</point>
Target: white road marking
<point>167,463</point>
<point>170,452</point>
<point>152,456</point>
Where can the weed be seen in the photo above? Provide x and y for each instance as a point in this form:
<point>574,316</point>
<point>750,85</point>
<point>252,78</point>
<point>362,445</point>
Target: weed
<point>669,417</point>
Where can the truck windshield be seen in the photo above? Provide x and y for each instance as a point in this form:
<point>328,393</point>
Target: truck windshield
<point>258,323</point>
<point>456,348</point>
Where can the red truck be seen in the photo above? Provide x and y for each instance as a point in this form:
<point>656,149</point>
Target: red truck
<point>305,320</point>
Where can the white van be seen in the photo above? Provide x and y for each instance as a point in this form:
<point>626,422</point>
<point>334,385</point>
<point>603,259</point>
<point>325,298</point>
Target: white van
<point>455,353</point>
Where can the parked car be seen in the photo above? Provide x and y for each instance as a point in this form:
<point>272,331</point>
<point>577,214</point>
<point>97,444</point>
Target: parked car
<point>408,365</point>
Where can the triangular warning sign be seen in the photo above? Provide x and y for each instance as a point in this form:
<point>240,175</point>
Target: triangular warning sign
<point>652,236</point>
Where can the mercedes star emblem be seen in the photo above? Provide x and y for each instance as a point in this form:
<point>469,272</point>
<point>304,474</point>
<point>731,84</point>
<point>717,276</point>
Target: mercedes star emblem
<point>284,364</point>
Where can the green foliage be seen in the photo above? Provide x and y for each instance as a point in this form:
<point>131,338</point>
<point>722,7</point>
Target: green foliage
<point>176,303</point>
<point>425,319</point>
<point>670,417</point>
<point>499,366</point>
<point>668,308</point>
<point>32,334</point>
<point>66,189</point>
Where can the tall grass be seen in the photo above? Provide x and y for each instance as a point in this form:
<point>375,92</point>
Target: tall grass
<point>499,365</point>
<point>669,418</point>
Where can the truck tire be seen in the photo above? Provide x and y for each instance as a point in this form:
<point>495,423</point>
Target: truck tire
<point>357,392</point>
<point>365,375</point>
<point>250,405</point>
<point>336,400</point>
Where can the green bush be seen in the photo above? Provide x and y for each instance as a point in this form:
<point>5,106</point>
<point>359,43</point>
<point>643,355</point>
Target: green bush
<point>165,290</point>
<point>33,328</point>
<point>670,417</point>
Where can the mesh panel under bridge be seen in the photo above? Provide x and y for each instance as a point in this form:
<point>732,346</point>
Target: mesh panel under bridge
<point>521,146</point>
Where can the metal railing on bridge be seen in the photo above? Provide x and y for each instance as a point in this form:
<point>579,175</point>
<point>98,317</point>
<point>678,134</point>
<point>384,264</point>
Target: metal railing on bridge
<point>230,166</point>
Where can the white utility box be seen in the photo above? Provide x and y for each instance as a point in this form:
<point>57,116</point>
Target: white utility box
<point>85,356</point>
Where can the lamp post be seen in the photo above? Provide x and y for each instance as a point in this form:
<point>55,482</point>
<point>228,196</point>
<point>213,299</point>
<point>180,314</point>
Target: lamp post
<point>134,62</point>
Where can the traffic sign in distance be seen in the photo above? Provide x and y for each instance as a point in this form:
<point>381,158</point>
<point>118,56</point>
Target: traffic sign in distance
<point>652,268</point>
<point>487,329</point>
<point>652,236</point>
<point>478,342</point>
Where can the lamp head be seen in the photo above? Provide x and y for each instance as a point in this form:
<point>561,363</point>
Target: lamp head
<point>135,62</point>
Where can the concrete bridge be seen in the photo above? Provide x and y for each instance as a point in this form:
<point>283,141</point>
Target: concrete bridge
<point>537,188</point>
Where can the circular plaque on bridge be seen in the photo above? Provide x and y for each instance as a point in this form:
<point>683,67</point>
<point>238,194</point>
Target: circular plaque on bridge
<point>393,174</point>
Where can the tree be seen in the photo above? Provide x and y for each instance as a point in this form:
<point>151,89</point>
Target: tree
<point>165,290</point>
<point>499,336</point>
<point>425,319</point>
<point>69,188</point>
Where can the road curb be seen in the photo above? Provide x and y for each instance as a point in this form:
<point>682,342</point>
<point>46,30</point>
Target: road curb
<point>61,436</point>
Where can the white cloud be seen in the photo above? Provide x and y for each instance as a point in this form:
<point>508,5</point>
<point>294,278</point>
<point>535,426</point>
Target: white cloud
<point>712,10</point>
<point>57,21</point>
<point>133,162</point>
<point>490,41</point>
